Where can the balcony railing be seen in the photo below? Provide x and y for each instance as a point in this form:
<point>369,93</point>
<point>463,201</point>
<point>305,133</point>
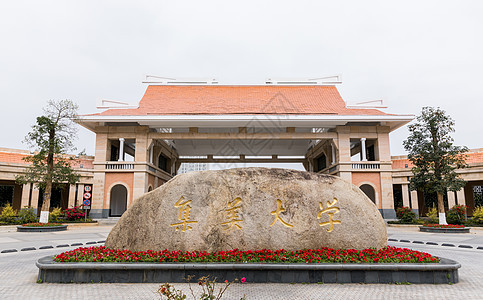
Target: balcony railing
<point>366,166</point>
<point>120,166</point>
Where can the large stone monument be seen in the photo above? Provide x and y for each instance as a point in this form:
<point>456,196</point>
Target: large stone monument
<point>250,208</point>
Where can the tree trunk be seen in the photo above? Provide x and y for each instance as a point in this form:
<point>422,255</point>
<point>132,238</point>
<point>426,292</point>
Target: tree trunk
<point>441,214</point>
<point>44,213</point>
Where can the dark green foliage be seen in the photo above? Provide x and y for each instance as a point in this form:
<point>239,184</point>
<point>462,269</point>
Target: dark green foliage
<point>431,150</point>
<point>405,215</point>
<point>435,158</point>
<point>456,215</point>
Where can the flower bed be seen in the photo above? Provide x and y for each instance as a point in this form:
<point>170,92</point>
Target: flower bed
<point>74,213</point>
<point>323,255</point>
<point>41,224</point>
<point>444,226</point>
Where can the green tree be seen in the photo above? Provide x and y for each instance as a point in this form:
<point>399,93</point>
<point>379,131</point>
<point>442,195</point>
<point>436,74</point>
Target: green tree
<point>435,158</point>
<point>51,137</point>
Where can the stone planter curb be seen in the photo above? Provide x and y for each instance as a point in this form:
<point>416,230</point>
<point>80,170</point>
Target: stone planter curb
<point>444,272</point>
<point>81,224</point>
<point>41,229</point>
<point>444,230</point>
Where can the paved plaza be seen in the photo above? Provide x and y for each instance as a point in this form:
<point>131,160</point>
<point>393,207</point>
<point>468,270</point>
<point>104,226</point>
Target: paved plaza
<point>18,273</point>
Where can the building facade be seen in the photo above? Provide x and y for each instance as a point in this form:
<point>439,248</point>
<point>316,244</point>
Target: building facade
<point>20,196</point>
<point>471,195</point>
<point>177,122</point>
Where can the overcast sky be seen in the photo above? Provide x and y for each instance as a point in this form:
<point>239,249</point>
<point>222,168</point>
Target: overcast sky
<point>409,53</point>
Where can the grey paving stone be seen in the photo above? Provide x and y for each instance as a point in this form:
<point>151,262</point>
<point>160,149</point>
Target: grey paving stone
<point>330,276</point>
<point>286,277</point>
<point>316,276</point>
<point>262,275</point>
<point>426,277</point>
<point>274,276</point>
<point>442,277</point>
<point>358,276</point>
<point>343,277</point>
<point>385,277</point>
<point>399,277</point>
<point>413,277</point>
<point>372,277</point>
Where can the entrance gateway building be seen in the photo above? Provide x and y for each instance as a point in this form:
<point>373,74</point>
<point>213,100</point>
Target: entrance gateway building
<point>140,147</point>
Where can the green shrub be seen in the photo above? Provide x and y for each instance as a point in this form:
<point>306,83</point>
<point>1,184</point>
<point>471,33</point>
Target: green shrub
<point>27,215</point>
<point>456,215</point>
<point>8,214</point>
<point>406,215</point>
<point>478,215</point>
<point>433,215</point>
<point>56,215</point>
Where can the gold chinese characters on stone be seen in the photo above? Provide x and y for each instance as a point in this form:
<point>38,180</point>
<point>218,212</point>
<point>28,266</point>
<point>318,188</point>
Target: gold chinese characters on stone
<point>277,214</point>
<point>330,210</point>
<point>184,215</point>
<point>232,217</point>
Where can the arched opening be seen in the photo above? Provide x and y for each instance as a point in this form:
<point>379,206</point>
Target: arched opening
<point>369,191</point>
<point>150,188</point>
<point>118,200</point>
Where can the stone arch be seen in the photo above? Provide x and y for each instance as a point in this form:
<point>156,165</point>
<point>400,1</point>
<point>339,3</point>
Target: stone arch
<point>370,190</point>
<point>150,188</point>
<point>118,198</point>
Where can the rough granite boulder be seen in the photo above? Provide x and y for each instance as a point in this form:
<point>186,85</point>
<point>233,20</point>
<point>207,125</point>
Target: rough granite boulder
<point>250,208</point>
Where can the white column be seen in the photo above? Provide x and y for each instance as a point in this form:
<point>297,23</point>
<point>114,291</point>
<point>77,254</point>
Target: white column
<point>80,194</point>
<point>363,149</point>
<point>414,200</point>
<point>71,202</point>
<point>461,197</point>
<point>151,150</point>
<point>121,149</point>
<point>451,199</point>
<point>405,195</point>
<point>35,197</point>
<point>25,195</point>
<point>333,153</point>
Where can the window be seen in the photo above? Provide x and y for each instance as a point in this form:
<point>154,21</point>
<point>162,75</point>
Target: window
<point>163,163</point>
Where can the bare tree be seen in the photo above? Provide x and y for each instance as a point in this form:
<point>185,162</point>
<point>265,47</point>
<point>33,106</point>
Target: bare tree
<point>51,137</point>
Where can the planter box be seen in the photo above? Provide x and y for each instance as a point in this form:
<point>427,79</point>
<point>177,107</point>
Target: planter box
<point>446,271</point>
<point>41,229</point>
<point>444,230</point>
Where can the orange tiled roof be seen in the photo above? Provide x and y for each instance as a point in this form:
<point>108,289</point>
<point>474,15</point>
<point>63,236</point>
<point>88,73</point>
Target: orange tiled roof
<point>17,158</point>
<point>212,99</point>
<point>474,157</point>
